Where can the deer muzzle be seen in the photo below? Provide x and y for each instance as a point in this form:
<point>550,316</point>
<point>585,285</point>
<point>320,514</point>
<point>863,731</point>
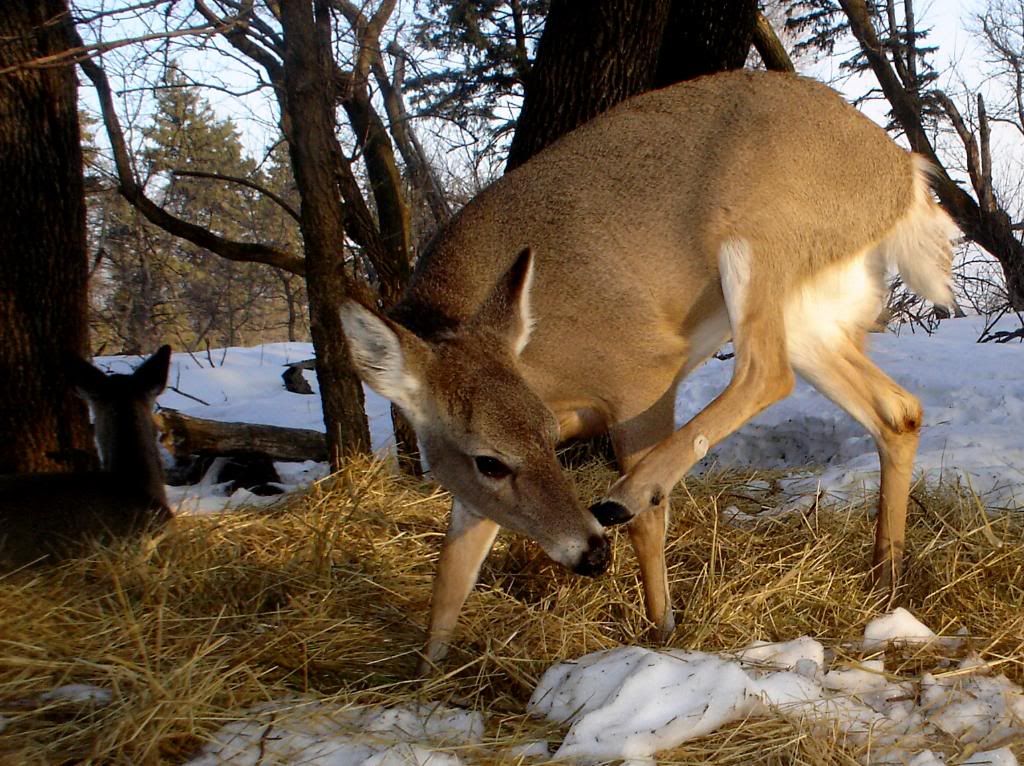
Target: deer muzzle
<point>595,559</point>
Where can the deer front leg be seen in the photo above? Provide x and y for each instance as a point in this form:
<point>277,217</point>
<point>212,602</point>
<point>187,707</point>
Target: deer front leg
<point>761,377</point>
<point>648,485</point>
<point>466,545</point>
<point>647,535</point>
<point>632,438</point>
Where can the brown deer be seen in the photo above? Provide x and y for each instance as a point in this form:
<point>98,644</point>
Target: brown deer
<point>50,516</point>
<point>571,297</point>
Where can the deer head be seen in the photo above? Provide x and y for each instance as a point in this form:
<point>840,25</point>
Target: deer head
<point>487,437</point>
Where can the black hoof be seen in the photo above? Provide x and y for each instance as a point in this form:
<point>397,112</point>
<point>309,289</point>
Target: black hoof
<point>610,513</point>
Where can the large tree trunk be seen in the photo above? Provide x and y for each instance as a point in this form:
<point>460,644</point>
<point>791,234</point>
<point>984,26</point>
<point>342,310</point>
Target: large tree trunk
<point>702,38</point>
<point>43,262</point>
<point>592,55</point>
<point>309,126</point>
<point>595,53</point>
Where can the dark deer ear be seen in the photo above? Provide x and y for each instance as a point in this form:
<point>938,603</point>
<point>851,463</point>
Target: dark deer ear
<point>150,377</point>
<point>87,380</point>
<point>507,309</point>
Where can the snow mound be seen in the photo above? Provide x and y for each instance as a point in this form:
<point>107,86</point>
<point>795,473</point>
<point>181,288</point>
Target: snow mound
<point>320,734</point>
<point>631,703</point>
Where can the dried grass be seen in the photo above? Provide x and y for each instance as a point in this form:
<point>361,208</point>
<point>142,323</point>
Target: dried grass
<point>327,595</point>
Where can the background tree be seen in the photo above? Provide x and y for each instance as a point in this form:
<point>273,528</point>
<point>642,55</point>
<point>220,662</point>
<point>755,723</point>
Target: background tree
<point>43,266</point>
<point>338,215</point>
<point>484,50</point>
<point>148,285</point>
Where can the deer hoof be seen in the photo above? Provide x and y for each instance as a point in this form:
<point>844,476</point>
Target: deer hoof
<point>609,513</point>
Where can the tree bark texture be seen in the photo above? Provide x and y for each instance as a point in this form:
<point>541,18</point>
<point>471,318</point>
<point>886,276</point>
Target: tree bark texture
<point>43,261</point>
<point>769,46</point>
<point>595,53</point>
<point>702,38</point>
<point>592,55</point>
<point>309,127</point>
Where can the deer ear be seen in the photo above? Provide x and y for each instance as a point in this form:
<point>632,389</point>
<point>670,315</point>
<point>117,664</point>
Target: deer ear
<point>507,309</point>
<point>150,377</point>
<point>89,382</point>
<point>382,351</point>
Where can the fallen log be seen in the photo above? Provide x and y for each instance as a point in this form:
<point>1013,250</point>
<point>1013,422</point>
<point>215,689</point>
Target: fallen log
<point>184,435</point>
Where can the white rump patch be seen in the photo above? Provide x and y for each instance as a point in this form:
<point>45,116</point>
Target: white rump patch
<point>821,312</point>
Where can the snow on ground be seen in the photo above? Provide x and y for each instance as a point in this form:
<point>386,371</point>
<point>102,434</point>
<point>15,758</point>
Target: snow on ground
<point>630,703</point>
<point>317,733</point>
<point>973,397</point>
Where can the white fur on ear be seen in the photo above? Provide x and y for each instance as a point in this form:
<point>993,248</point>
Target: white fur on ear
<point>378,356</point>
<point>527,321</point>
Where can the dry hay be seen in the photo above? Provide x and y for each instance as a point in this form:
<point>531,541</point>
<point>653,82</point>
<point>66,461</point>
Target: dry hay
<point>327,596</point>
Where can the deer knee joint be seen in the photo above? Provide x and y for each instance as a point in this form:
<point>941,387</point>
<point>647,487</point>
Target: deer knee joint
<point>903,413</point>
<point>912,418</point>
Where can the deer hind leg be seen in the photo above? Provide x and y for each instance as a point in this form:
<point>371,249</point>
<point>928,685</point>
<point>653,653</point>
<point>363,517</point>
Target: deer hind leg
<point>839,369</point>
<point>632,439</point>
<point>466,545</point>
<point>762,376</point>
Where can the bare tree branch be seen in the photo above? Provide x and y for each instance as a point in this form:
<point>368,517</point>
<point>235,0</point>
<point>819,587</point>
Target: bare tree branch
<point>236,35</point>
<point>82,52</point>
<point>367,34</point>
<point>989,228</point>
<point>769,47</point>
<point>966,138</point>
<point>896,48</point>
<point>131,191</point>
<point>281,202</point>
<point>986,194</point>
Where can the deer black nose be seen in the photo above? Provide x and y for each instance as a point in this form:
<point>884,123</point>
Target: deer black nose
<point>596,558</point>
<point>609,513</point>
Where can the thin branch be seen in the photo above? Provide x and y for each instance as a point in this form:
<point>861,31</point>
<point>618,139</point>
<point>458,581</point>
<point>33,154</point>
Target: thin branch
<point>408,143</point>
<point>911,42</point>
<point>131,191</point>
<point>974,163</point>
<point>895,45</point>
<point>769,47</point>
<point>238,38</point>
<point>242,182</point>
<point>82,52</point>
<point>122,11</point>
<point>986,194</point>
<point>367,34</point>
<point>522,58</point>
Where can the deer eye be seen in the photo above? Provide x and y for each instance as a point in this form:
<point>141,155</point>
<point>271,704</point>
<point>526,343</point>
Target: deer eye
<point>491,467</point>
